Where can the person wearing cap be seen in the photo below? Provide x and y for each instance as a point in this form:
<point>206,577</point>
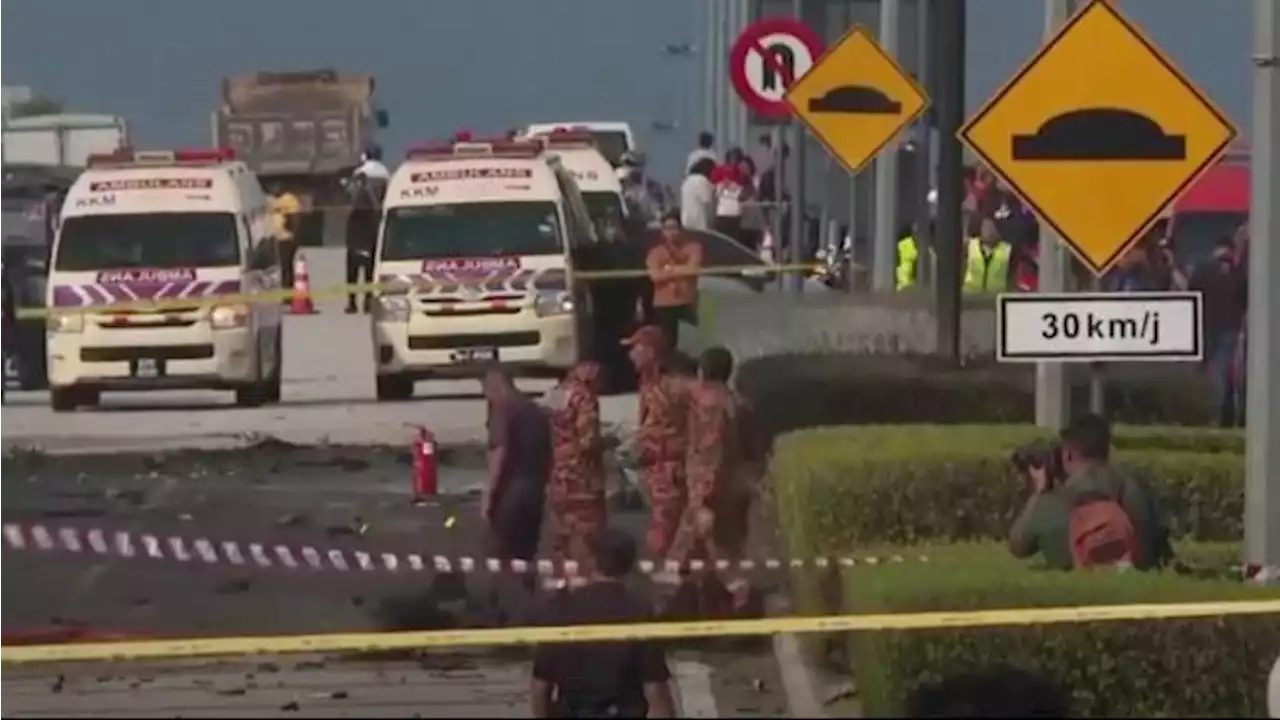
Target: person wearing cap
<point>674,263</point>
<point>662,436</point>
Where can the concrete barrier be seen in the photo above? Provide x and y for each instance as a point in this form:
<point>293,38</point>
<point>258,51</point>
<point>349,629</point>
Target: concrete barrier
<point>754,325</point>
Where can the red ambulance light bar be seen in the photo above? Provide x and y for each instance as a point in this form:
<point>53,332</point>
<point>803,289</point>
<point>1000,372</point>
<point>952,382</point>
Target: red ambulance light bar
<point>127,157</point>
<point>485,147</point>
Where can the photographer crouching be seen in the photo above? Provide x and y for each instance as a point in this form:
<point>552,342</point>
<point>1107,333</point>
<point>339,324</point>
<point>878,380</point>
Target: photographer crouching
<point>1082,513</point>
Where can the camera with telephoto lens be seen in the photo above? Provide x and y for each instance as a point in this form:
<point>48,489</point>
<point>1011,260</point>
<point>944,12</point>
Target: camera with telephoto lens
<point>1040,455</point>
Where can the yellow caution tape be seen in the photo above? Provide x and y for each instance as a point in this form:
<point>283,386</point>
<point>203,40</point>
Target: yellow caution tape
<point>341,291</point>
<point>380,642</point>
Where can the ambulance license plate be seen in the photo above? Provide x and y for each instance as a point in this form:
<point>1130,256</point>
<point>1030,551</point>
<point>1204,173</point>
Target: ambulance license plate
<point>470,355</point>
<point>147,368</point>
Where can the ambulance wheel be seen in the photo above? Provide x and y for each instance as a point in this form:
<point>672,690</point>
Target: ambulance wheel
<point>251,395</point>
<point>394,387</point>
<point>63,399</point>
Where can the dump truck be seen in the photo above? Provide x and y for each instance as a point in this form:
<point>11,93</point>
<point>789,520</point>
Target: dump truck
<point>63,140</point>
<point>302,131</point>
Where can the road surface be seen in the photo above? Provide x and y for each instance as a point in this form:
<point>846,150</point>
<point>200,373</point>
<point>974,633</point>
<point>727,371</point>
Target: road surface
<point>328,469</point>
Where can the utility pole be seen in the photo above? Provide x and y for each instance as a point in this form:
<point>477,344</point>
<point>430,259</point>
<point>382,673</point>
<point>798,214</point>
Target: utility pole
<point>1262,487</point>
<point>924,145</point>
<point>950,16</point>
<point>886,220</point>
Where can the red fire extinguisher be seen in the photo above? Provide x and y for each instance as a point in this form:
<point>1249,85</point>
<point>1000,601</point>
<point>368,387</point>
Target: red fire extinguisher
<point>425,470</point>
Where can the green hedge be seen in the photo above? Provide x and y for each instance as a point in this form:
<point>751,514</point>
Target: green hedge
<point>1212,667</point>
<point>840,489</point>
<point>921,491</point>
<point>799,391</point>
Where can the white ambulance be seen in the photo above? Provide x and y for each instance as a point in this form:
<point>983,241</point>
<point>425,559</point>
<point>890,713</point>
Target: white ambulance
<point>613,138</point>
<point>167,233</point>
<point>475,255</point>
<point>596,179</point>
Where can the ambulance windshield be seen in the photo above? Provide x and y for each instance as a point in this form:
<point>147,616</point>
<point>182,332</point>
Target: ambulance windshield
<point>148,240</point>
<point>471,230</point>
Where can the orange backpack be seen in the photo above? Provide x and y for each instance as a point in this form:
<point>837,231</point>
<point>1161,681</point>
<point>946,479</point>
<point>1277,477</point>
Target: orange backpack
<point>1101,533</point>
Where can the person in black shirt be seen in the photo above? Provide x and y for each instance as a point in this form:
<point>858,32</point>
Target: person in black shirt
<point>604,679</point>
<point>519,467</point>
<point>1224,283</point>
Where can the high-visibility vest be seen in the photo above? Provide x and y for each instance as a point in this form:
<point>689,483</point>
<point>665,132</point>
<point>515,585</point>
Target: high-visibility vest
<point>985,274</point>
<point>905,273</point>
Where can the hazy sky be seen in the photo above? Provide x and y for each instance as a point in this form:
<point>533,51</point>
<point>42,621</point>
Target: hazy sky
<point>485,64</point>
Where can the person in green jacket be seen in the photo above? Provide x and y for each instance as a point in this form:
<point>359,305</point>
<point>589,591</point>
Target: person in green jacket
<point>1043,526</point>
<point>908,255</point>
<point>987,267</point>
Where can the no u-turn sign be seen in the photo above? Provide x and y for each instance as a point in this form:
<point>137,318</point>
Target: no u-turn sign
<point>768,58</point>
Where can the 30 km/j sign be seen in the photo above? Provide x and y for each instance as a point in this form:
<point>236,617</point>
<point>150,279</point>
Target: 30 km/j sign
<point>1099,327</point>
<point>768,58</point>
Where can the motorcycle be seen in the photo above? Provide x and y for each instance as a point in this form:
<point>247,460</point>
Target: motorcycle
<point>835,262</point>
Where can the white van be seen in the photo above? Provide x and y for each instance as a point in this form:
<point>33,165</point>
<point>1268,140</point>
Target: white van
<point>475,256</point>
<point>596,179</point>
<point>180,228</point>
<point>614,139</point>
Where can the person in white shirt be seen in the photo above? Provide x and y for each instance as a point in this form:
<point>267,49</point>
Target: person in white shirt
<point>371,165</point>
<point>698,196</point>
<point>705,149</point>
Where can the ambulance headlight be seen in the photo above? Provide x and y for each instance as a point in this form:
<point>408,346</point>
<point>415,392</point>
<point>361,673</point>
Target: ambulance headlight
<point>549,304</point>
<point>65,323</point>
<point>224,317</point>
<point>391,308</point>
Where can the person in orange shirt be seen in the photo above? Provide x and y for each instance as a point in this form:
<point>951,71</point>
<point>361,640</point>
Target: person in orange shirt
<point>673,264</point>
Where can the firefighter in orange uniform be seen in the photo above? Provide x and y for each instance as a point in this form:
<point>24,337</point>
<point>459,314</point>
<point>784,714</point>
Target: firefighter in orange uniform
<point>714,524</point>
<point>664,408</point>
<point>576,492</point>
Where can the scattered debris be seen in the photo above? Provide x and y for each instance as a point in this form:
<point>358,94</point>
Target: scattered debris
<point>234,586</point>
<point>843,691</point>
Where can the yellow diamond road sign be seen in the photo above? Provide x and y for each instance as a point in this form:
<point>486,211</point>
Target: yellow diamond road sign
<point>1098,133</point>
<point>855,99</point>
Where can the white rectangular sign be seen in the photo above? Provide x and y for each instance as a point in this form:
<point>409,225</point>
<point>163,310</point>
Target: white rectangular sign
<point>1099,327</point>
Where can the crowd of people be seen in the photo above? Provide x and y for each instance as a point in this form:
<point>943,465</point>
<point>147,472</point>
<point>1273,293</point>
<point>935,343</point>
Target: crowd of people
<point>734,194</point>
<point>1002,248</point>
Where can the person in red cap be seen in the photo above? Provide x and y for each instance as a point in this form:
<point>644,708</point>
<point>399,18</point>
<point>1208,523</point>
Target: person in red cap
<point>663,429</point>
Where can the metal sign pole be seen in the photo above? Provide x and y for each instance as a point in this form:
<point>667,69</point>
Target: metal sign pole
<point>777,139</point>
<point>886,172</point>
<point>1262,488</point>
<point>797,240</point>
<point>1053,402</point>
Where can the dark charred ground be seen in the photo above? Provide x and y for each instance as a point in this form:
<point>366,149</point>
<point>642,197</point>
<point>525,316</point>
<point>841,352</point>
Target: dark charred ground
<point>353,498</point>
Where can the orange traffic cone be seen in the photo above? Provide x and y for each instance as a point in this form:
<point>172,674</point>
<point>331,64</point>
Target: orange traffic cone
<point>301,303</point>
